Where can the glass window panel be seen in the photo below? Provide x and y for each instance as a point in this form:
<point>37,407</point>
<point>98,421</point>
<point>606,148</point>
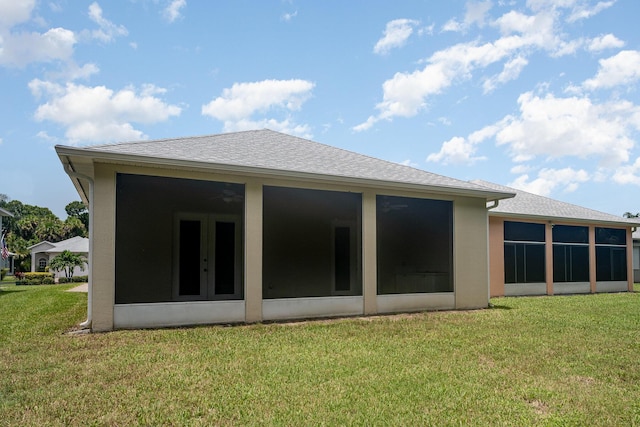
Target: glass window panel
<point>189,262</point>
<point>611,236</point>
<point>570,263</point>
<point>611,263</point>
<point>414,245</point>
<point>579,263</point>
<point>523,231</point>
<point>534,259</point>
<point>570,234</point>
<point>510,263</point>
<point>524,263</point>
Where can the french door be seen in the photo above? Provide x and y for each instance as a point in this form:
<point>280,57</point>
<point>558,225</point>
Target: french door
<point>207,260</point>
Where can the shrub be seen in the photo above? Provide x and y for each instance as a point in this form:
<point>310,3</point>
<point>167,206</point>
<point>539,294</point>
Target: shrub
<point>80,279</point>
<point>36,278</point>
<point>63,280</point>
<point>48,281</point>
<point>3,272</point>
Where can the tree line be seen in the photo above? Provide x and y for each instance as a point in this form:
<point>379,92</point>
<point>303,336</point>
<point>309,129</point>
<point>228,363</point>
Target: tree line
<point>33,224</point>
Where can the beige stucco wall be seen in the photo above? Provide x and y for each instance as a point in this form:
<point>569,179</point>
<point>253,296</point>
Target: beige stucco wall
<point>470,238</point>
<point>470,253</point>
<point>103,259</point>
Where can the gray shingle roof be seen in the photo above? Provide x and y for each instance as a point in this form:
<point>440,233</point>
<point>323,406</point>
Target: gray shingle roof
<point>269,150</point>
<point>531,205</point>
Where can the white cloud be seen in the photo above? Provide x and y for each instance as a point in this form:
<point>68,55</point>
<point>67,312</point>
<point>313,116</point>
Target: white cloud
<point>287,17</point>
<point>560,127</point>
<point>583,10</point>
<point>457,150</point>
<point>608,41</point>
<point>236,106</point>
<point>620,69</point>
<point>407,93</point>
<point>549,179</point>
<point>475,14</point>
<point>395,35</point>
<point>20,49</point>
<point>14,12</point>
<point>108,31</point>
<point>628,174</point>
<point>172,12</point>
<point>98,114</point>
<point>510,71</point>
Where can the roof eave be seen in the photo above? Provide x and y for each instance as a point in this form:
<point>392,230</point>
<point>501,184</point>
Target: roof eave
<point>66,153</point>
<point>548,218</point>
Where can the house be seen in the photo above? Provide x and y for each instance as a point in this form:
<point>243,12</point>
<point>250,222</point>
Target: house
<point>541,246</point>
<point>7,262</point>
<point>42,253</point>
<point>258,226</point>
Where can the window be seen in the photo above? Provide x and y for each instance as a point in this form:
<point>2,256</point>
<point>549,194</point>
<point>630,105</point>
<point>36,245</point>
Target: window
<point>570,253</point>
<point>414,245</point>
<point>42,264</point>
<point>311,243</point>
<point>611,254</point>
<point>178,240</point>
<point>524,252</point>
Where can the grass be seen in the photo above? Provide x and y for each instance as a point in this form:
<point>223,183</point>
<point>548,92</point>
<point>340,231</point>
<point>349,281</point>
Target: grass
<point>566,360</point>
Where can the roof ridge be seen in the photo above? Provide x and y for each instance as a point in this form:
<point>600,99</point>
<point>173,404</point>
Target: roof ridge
<point>178,138</point>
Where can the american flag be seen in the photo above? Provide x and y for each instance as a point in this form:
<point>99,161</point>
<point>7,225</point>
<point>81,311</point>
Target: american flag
<point>5,251</point>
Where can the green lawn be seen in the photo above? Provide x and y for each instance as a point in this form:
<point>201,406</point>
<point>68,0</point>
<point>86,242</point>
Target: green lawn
<point>528,361</point>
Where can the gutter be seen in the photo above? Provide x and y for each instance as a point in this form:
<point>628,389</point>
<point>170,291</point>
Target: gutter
<point>73,174</point>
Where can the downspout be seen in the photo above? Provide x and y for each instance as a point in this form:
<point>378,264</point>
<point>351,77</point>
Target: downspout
<point>87,323</point>
<point>493,205</point>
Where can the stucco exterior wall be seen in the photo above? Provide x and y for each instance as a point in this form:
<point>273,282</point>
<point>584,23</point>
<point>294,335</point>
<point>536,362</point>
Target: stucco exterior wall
<point>496,245</point>
<point>103,259</point>
<point>470,253</point>
<point>470,245</point>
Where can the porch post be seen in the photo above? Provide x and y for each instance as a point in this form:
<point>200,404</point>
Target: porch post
<point>548,250</point>
<point>369,253</point>
<point>253,252</point>
<point>629,260</point>
<point>592,258</point>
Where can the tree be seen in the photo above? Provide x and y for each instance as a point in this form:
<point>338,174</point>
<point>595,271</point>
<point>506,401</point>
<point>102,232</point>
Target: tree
<point>66,262</point>
<point>32,224</point>
<point>78,210</point>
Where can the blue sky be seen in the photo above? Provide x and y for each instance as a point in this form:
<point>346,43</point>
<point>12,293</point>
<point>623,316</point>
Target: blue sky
<point>540,95</point>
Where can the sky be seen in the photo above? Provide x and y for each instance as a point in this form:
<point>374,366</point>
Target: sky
<point>539,95</point>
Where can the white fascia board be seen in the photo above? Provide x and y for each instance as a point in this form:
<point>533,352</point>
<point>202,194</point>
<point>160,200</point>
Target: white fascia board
<point>622,223</point>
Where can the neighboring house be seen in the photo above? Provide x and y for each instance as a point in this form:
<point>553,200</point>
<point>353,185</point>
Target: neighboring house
<point>541,246</point>
<point>9,261</point>
<point>636,256</point>
<point>258,225</point>
<point>42,253</point>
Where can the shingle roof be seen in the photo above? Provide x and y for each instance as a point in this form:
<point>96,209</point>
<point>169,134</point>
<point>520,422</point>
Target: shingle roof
<point>75,244</point>
<point>269,150</point>
<point>532,205</point>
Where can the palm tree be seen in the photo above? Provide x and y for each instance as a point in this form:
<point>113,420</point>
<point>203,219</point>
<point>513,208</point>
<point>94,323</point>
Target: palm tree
<point>67,262</point>
<point>631,215</point>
